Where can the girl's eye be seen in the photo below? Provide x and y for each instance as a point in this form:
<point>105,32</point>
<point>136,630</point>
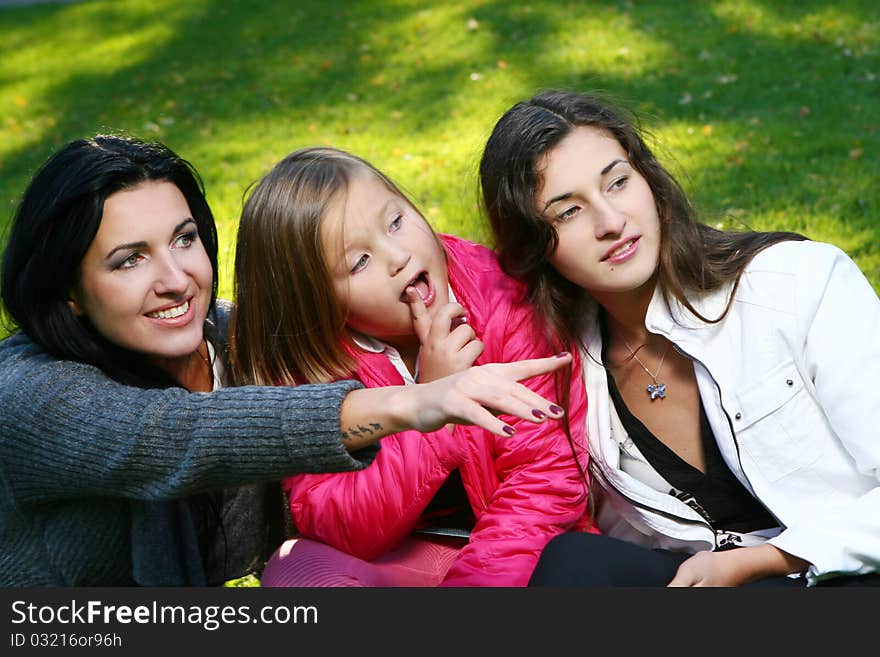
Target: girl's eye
<point>360,264</point>
<point>395,225</point>
<point>618,183</point>
<point>187,239</point>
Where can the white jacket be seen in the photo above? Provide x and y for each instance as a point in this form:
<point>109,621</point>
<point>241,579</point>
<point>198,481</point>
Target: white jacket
<point>790,380</point>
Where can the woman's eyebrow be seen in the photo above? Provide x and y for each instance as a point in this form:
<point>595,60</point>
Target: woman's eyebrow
<point>553,200</point>
<point>179,227</point>
<point>142,244</point>
<point>612,165</point>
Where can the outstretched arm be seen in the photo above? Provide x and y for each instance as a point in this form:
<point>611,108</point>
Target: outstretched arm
<point>67,430</point>
<point>473,396</point>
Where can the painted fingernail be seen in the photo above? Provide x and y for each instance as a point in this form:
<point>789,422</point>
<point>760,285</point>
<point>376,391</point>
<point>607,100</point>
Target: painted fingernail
<point>562,354</point>
<point>509,430</point>
<point>556,410</point>
<point>539,414</point>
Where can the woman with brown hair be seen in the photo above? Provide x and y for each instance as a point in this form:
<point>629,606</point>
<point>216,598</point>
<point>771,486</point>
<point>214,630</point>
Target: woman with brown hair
<point>729,374</point>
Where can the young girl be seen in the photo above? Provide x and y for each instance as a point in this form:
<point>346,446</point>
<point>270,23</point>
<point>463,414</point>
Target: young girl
<point>730,375</point>
<point>355,282</point>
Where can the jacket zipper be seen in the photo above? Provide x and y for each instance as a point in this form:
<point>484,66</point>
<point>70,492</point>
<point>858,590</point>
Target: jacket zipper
<point>730,427</point>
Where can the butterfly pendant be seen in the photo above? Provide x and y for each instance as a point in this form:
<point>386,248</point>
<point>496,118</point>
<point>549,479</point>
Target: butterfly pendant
<point>657,390</point>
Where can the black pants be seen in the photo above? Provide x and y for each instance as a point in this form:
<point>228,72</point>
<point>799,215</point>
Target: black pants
<point>580,559</point>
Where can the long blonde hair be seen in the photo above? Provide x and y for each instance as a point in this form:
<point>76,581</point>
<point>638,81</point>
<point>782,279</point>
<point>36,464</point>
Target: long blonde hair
<point>288,326</point>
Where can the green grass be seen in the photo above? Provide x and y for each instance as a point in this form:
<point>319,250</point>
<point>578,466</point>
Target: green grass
<point>770,111</point>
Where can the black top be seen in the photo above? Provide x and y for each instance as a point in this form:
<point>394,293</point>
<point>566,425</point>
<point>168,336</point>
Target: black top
<point>449,512</point>
<point>717,494</point>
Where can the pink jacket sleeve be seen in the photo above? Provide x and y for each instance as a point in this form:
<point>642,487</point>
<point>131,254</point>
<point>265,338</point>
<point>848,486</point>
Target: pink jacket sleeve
<point>367,514</point>
<point>541,490</point>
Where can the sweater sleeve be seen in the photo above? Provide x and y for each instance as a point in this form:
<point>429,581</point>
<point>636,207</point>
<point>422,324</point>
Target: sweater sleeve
<point>541,491</point>
<point>843,355</point>
<point>67,430</point>
<point>366,513</point>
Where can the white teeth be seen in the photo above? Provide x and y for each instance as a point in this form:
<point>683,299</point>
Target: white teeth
<point>621,249</point>
<point>171,312</point>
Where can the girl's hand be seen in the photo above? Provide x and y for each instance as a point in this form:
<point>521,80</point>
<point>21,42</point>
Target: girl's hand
<point>474,396</point>
<point>448,343</point>
<point>736,567</point>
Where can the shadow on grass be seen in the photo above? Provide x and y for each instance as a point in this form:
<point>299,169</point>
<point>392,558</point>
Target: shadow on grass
<point>780,115</point>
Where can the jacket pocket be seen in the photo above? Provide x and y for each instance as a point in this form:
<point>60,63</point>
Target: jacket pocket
<point>778,423</point>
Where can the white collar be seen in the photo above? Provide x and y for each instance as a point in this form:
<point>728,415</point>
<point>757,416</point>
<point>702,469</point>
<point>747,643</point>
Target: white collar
<point>217,367</point>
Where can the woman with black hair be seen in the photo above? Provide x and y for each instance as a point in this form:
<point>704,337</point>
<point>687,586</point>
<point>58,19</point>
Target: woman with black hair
<point>729,375</point>
<point>123,459</point>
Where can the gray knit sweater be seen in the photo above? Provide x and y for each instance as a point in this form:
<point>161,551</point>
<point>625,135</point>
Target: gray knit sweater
<point>96,477</point>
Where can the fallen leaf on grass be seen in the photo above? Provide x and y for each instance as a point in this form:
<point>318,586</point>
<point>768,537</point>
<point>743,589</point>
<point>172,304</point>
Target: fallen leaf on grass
<point>856,153</point>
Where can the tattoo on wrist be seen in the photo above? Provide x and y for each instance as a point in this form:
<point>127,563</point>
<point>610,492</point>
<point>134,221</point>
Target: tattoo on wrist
<point>361,431</point>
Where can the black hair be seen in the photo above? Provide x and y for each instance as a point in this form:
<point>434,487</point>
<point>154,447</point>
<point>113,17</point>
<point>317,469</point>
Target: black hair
<point>54,225</point>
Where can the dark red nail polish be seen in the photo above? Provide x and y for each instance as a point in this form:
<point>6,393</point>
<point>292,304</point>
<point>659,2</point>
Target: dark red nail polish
<point>539,414</point>
<point>509,430</point>
<point>556,410</point>
<point>562,354</point>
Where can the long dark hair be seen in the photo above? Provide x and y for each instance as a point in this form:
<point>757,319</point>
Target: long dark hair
<point>693,256</point>
<point>54,224</point>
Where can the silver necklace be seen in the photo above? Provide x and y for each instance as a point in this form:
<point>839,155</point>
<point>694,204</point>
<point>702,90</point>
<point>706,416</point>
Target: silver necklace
<point>656,390</point>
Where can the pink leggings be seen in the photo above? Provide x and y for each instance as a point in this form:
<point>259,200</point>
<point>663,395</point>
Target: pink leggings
<point>415,562</point>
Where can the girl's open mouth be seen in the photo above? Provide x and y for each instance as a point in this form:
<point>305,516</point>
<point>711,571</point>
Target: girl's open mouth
<point>423,287</point>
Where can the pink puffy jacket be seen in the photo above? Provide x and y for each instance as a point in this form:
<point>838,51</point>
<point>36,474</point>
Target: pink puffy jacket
<point>524,490</point>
